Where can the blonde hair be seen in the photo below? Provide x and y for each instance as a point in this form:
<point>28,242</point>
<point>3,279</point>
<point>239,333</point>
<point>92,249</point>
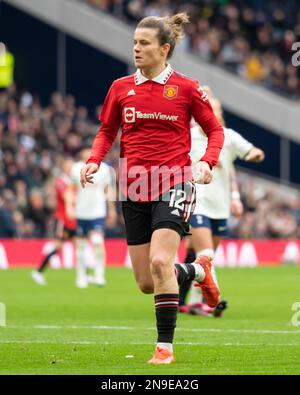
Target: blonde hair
<point>215,103</point>
<point>170,29</point>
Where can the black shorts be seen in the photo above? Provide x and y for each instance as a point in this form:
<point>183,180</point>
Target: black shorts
<point>172,210</point>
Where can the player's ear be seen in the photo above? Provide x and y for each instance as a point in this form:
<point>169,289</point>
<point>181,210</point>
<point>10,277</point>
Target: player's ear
<point>165,49</point>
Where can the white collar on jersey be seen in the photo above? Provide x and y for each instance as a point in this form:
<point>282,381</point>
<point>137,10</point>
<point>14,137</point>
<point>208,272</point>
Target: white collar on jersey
<point>162,78</point>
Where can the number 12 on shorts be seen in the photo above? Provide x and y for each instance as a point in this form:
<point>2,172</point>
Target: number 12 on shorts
<point>177,199</point>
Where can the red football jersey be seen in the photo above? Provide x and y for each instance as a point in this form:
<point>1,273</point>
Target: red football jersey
<point>61,185</point>
<point>155,116</point>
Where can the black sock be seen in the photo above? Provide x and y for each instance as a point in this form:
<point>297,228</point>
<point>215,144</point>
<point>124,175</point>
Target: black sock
<point>184,272</point>
<point>186,285</point>
<point>190,256</point>
<point>183,292</point>
<point>166,306</point>
<point>46,260</point>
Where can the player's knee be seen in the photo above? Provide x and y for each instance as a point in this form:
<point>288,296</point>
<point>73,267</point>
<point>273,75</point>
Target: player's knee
<point>159,266</point>
<point>96,239</point>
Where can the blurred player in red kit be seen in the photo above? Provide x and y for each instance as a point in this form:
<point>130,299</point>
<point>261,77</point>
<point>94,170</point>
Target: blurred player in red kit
<point>65,227</point>
<point>154,107</point>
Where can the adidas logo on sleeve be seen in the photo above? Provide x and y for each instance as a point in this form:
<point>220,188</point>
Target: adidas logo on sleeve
<point>131,92</point>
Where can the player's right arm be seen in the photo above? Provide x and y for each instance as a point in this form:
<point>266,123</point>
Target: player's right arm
<point>110,122</point>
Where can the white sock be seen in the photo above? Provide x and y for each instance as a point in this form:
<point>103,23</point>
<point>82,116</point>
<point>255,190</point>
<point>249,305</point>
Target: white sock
<point>99,251</point>
<point>169,346</point>
<point>209,252</point>
<point>195,295</point>
<point>80,258</point>
<point>200,273</point>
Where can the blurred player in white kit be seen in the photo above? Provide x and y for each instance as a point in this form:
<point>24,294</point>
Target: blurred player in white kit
<point>94,206</point>
<point>214,204</point>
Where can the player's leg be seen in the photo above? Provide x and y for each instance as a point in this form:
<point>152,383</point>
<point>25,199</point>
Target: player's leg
<point>137,218</point>
<point>206,239</point>
<point>202,243</point>
<point>81,242</point>
<point>139,255</point>
<point>138,222</point>
<point>202,239</point>
<point>174,212</point>
<point>96,238</point>
<point>56,248</point>
<point>220,231</point>
<point>169,220</point>
<point>186,285</point>
<point>164,246</point>
<point>38,275</point>
<point>216,241</point>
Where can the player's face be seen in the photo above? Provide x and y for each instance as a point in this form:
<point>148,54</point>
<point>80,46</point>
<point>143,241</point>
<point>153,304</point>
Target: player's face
<point>147,51</point>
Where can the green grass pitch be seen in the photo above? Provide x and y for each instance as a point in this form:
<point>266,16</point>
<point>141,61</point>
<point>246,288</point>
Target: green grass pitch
<point>59,329</point>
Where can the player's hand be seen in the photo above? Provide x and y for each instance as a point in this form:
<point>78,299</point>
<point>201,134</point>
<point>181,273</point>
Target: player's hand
<point>86,173</point>
<point>203,173</point>
<point>236,208</point>
<point>255,155</point>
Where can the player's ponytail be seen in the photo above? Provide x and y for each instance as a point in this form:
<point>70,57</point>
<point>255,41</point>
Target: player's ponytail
<point>170,29</point>
<point>176,23</point>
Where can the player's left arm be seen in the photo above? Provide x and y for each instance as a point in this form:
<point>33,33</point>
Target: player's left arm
<point>244,149</point>
<point>255,155</point>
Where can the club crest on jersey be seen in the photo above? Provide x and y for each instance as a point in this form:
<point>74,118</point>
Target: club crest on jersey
<point>170,91</point>
<point>129,114</point>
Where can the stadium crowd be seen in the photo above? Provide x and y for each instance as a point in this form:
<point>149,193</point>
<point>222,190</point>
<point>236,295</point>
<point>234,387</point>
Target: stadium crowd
<point>267,214</point>
<point>33,141</point>
<point>252,38</point>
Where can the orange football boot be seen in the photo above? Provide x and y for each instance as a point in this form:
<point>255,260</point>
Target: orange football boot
<point>162,356</point>
<point>210,291</point>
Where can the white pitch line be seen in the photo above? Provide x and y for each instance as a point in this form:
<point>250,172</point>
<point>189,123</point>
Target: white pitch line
<point>82,342</point>
<point>128,328</point>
